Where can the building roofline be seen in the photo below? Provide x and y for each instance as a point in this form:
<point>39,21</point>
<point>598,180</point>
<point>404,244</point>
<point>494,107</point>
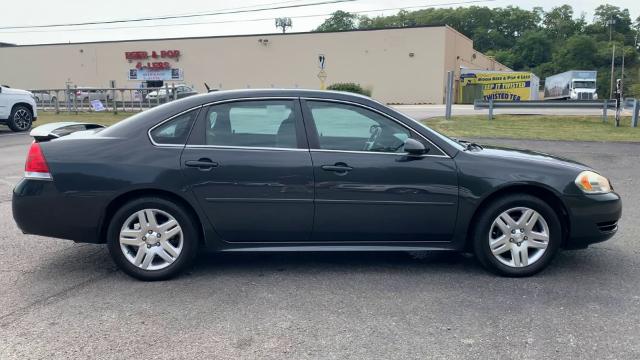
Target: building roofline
<point>236,36</point>
<point>459,33</point>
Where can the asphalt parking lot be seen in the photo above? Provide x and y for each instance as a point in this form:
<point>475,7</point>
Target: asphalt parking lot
<point>66,300</point>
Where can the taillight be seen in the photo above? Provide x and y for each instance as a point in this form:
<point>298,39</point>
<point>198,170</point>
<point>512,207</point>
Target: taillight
<point>78,93</point>
<point>36,166</point>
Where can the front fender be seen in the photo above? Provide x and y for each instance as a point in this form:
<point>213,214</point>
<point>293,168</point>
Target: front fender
<point>480,180</point>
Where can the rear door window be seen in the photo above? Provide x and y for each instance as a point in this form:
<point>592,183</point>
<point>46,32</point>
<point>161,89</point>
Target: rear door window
<point>260,123</point>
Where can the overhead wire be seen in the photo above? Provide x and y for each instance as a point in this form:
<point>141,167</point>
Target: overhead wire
<point>251,20</point>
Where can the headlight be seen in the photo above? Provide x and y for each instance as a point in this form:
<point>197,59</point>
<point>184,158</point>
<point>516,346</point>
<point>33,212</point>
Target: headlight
<point>593,183</point>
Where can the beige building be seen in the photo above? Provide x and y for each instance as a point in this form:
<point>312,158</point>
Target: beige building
<point>406,66</point>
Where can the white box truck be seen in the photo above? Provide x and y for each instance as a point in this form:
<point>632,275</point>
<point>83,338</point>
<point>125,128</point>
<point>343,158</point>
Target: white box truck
<point>571,85</point>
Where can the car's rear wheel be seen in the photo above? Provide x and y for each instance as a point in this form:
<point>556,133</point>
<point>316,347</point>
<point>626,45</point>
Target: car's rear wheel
<point>152,238</point>
<point>517,235</point>
<point>20,119</point>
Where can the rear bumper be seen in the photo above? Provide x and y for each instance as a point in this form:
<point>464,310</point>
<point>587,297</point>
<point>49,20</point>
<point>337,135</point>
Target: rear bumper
<point>40,209</point>
<point>593,218</point>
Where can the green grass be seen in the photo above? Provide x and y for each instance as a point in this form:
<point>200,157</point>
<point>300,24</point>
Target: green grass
<point>577,128</point>
<point>104,118</point>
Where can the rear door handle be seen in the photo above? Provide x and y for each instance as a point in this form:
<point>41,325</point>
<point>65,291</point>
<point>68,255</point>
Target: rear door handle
<point>202,164</point>
<point>338,168</point>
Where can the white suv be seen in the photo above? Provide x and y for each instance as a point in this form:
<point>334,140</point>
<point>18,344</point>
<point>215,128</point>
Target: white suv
<point>17,108</point>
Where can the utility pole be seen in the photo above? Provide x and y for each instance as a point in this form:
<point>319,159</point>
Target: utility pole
<point>284,23</point>
<point>622,75</point>
<point>610,22</point>
<point>613,58</point>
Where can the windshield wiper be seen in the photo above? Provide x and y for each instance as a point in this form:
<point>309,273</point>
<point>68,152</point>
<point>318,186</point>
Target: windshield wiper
<point>468,144</point>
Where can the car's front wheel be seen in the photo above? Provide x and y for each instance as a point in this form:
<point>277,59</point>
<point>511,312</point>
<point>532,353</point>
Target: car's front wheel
<point>152,238</point>
<point>20,119</point>
<point>517,235</point>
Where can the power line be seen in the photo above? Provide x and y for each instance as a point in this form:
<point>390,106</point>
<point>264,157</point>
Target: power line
<point>249,20</point>
<point>242,7</point>
<point>168,17</point>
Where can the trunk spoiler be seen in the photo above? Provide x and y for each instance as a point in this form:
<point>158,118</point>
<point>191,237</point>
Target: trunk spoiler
<point>52,131</point>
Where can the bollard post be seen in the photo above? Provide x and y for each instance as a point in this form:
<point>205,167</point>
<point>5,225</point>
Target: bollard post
<point>175,94</point>
<point>68,97</point>
<point>115,104</point>
<point>491,109</point>
<point>449,95</point>
<point>604,110</point>
<point>636,110</point>
<point>75,100</point>
<point>57,102</point>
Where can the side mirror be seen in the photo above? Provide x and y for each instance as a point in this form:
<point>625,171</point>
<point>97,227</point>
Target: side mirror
<point>415,147</point>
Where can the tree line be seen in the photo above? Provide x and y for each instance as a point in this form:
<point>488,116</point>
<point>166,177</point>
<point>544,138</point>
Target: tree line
<point>544,42</point>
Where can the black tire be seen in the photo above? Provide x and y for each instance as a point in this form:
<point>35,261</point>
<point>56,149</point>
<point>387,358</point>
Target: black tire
<point>20,119</point>
<point>189,230</point>
<point>491,212</point>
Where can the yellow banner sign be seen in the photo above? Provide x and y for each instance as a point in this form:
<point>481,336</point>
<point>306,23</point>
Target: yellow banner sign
<point>513,86</point>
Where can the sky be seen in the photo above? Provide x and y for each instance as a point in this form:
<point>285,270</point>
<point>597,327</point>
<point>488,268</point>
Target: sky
<point>46,12</point>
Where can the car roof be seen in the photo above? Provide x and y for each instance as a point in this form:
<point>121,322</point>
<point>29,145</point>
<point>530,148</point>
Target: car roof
<point>250,93</point>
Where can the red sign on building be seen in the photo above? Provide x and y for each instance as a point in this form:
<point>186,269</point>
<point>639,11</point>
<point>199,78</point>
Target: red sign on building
<point>146,55</point>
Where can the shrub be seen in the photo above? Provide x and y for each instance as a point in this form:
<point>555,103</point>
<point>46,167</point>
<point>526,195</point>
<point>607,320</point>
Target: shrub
<point>350,87</point>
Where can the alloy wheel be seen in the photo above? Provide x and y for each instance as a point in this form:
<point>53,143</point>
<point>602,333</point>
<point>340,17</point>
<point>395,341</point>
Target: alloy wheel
<point>519,237</point>
<point>151,239</point>
<point>22,119</point>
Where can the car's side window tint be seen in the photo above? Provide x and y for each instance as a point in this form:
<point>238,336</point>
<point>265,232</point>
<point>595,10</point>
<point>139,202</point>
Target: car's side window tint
<point>176,130</point>
<point>260,123</point>
<point>353,128</point>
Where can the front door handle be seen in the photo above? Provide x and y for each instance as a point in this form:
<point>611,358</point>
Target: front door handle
<point>202,164</point>
<point>338,168</point>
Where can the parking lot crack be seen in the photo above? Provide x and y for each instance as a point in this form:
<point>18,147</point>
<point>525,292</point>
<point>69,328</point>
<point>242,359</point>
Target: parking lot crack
<point>15,315</point>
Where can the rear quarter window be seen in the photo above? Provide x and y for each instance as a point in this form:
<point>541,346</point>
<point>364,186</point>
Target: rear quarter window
<point>175,131</point>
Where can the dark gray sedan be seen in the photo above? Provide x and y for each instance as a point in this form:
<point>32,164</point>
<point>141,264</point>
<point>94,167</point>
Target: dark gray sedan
<point>298,170</point>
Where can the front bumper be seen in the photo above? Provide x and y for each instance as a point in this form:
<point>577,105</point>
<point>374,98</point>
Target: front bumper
<point>40,209</point>
<point>593,218</point>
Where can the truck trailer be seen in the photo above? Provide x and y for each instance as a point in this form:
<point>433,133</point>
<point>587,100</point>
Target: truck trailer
<point>571,85</point>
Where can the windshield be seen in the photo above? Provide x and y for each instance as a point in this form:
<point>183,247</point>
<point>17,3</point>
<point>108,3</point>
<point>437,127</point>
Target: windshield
<point>444,138</point>
<point>584,84</point>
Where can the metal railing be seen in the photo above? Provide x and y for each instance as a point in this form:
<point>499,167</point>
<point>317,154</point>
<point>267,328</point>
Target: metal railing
<point>78,99</point>
<point>631,104</point>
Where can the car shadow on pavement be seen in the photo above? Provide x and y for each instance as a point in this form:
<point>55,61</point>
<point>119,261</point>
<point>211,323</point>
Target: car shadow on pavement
<point>5,130</point>
<point>335,262</point>
<point>93,259</point>
<point>570,264</point>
